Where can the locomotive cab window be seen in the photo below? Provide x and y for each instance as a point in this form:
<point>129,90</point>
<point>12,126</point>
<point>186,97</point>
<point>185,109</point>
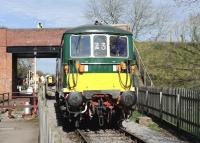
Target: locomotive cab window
<point>100,46</point>
<point>80,46</point>
<point>118,46</point>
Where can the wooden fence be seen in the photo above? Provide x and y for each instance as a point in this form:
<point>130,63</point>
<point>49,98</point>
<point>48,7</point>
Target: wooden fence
<point>178,107</point>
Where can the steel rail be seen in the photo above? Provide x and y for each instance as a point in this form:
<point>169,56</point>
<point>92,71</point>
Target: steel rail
<point>84,139</point>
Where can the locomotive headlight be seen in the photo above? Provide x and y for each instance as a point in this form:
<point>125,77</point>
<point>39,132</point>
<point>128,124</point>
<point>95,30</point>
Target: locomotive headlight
<point>123,65</point>
<point>66,68</point>
<point>118,68</point>
<point>77,65</point>
<point>83,68</point>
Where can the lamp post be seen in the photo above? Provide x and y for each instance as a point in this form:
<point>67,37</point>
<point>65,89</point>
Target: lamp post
<point>34,93</point>
<point>35,69</point>
<point>29,75</point>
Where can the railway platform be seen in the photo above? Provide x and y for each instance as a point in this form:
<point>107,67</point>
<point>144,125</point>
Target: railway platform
<point>18,131</point>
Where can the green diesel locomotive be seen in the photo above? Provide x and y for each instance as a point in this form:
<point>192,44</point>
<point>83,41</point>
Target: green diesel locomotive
<point>95,74</point>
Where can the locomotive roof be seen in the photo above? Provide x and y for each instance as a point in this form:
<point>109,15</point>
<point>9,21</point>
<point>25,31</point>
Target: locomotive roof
<point>98,29</point>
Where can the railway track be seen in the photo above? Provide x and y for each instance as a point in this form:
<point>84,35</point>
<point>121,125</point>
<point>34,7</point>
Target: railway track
<point>117,135</point>
<point>107,136</point>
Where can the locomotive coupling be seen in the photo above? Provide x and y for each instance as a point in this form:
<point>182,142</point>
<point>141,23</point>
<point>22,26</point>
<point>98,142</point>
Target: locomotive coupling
<point>128,98</point>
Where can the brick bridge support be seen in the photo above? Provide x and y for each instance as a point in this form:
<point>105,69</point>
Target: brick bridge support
<point>26,38</point>
<point>5,63</point>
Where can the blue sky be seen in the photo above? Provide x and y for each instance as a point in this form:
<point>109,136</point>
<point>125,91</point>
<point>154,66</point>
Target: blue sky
<point>57,13</point>
<point>52,13</point>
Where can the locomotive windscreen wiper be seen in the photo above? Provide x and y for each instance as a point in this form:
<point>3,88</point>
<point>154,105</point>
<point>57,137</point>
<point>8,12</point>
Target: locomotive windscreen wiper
<point>78,44</point>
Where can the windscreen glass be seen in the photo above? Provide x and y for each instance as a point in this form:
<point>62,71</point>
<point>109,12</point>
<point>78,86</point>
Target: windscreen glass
<point>80,46</point>
<point>100,46</point>
<point>118,46</point>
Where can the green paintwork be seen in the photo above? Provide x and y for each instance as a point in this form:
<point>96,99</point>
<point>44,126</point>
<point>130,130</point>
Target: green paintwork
<point>97,65</point>
<point>97,29</point>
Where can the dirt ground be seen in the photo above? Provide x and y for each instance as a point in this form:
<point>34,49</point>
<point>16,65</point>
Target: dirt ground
<point>19,131</point>
<point>16,129</point>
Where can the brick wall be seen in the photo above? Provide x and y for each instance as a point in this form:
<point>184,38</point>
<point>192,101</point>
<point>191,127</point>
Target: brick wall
<point>34,37</point>
<point>5,64</point>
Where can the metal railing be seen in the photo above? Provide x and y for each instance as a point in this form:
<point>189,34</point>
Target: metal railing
<point>11,99</point>
<point>4,97</point>
<point>176,106</point>
<point>147,81</point>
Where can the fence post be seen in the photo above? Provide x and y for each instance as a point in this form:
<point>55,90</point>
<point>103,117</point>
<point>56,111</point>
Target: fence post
<point>146,101</point>
<point>139,68</point>
<point>8,98</point>
<point>145,80</point>
<point>3,99</point>
<point>177,111</point>
<point>198,115</point>
<point>161,95</point>
<point>137,103</point>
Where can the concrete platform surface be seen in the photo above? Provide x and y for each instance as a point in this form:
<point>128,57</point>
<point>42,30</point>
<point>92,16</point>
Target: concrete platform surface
<point>151,136</point>
<point>19,131</point>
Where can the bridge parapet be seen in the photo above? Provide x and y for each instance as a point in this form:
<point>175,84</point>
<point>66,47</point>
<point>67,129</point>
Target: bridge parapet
<point>35,37</point>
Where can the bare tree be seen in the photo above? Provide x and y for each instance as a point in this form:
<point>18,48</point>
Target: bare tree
<point>139,15</point>
<point>106,11</point>
<point>161,26</point>
<point>146,19</point>
<point>180,31</point>
<point>194,22</point>
<point>23,66</point>
<point>186,1</point>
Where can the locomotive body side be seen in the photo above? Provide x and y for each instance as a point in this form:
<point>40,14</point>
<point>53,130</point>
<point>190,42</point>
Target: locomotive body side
<point>96,74</point>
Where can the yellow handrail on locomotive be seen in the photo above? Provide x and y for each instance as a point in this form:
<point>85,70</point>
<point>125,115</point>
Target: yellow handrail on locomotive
<point>72,85</point>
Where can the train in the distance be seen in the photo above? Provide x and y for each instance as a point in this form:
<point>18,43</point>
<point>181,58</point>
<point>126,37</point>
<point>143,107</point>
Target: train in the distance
<point>95,75</point>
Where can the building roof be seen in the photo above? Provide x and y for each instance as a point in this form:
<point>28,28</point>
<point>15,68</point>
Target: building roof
<point>97,29</point>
